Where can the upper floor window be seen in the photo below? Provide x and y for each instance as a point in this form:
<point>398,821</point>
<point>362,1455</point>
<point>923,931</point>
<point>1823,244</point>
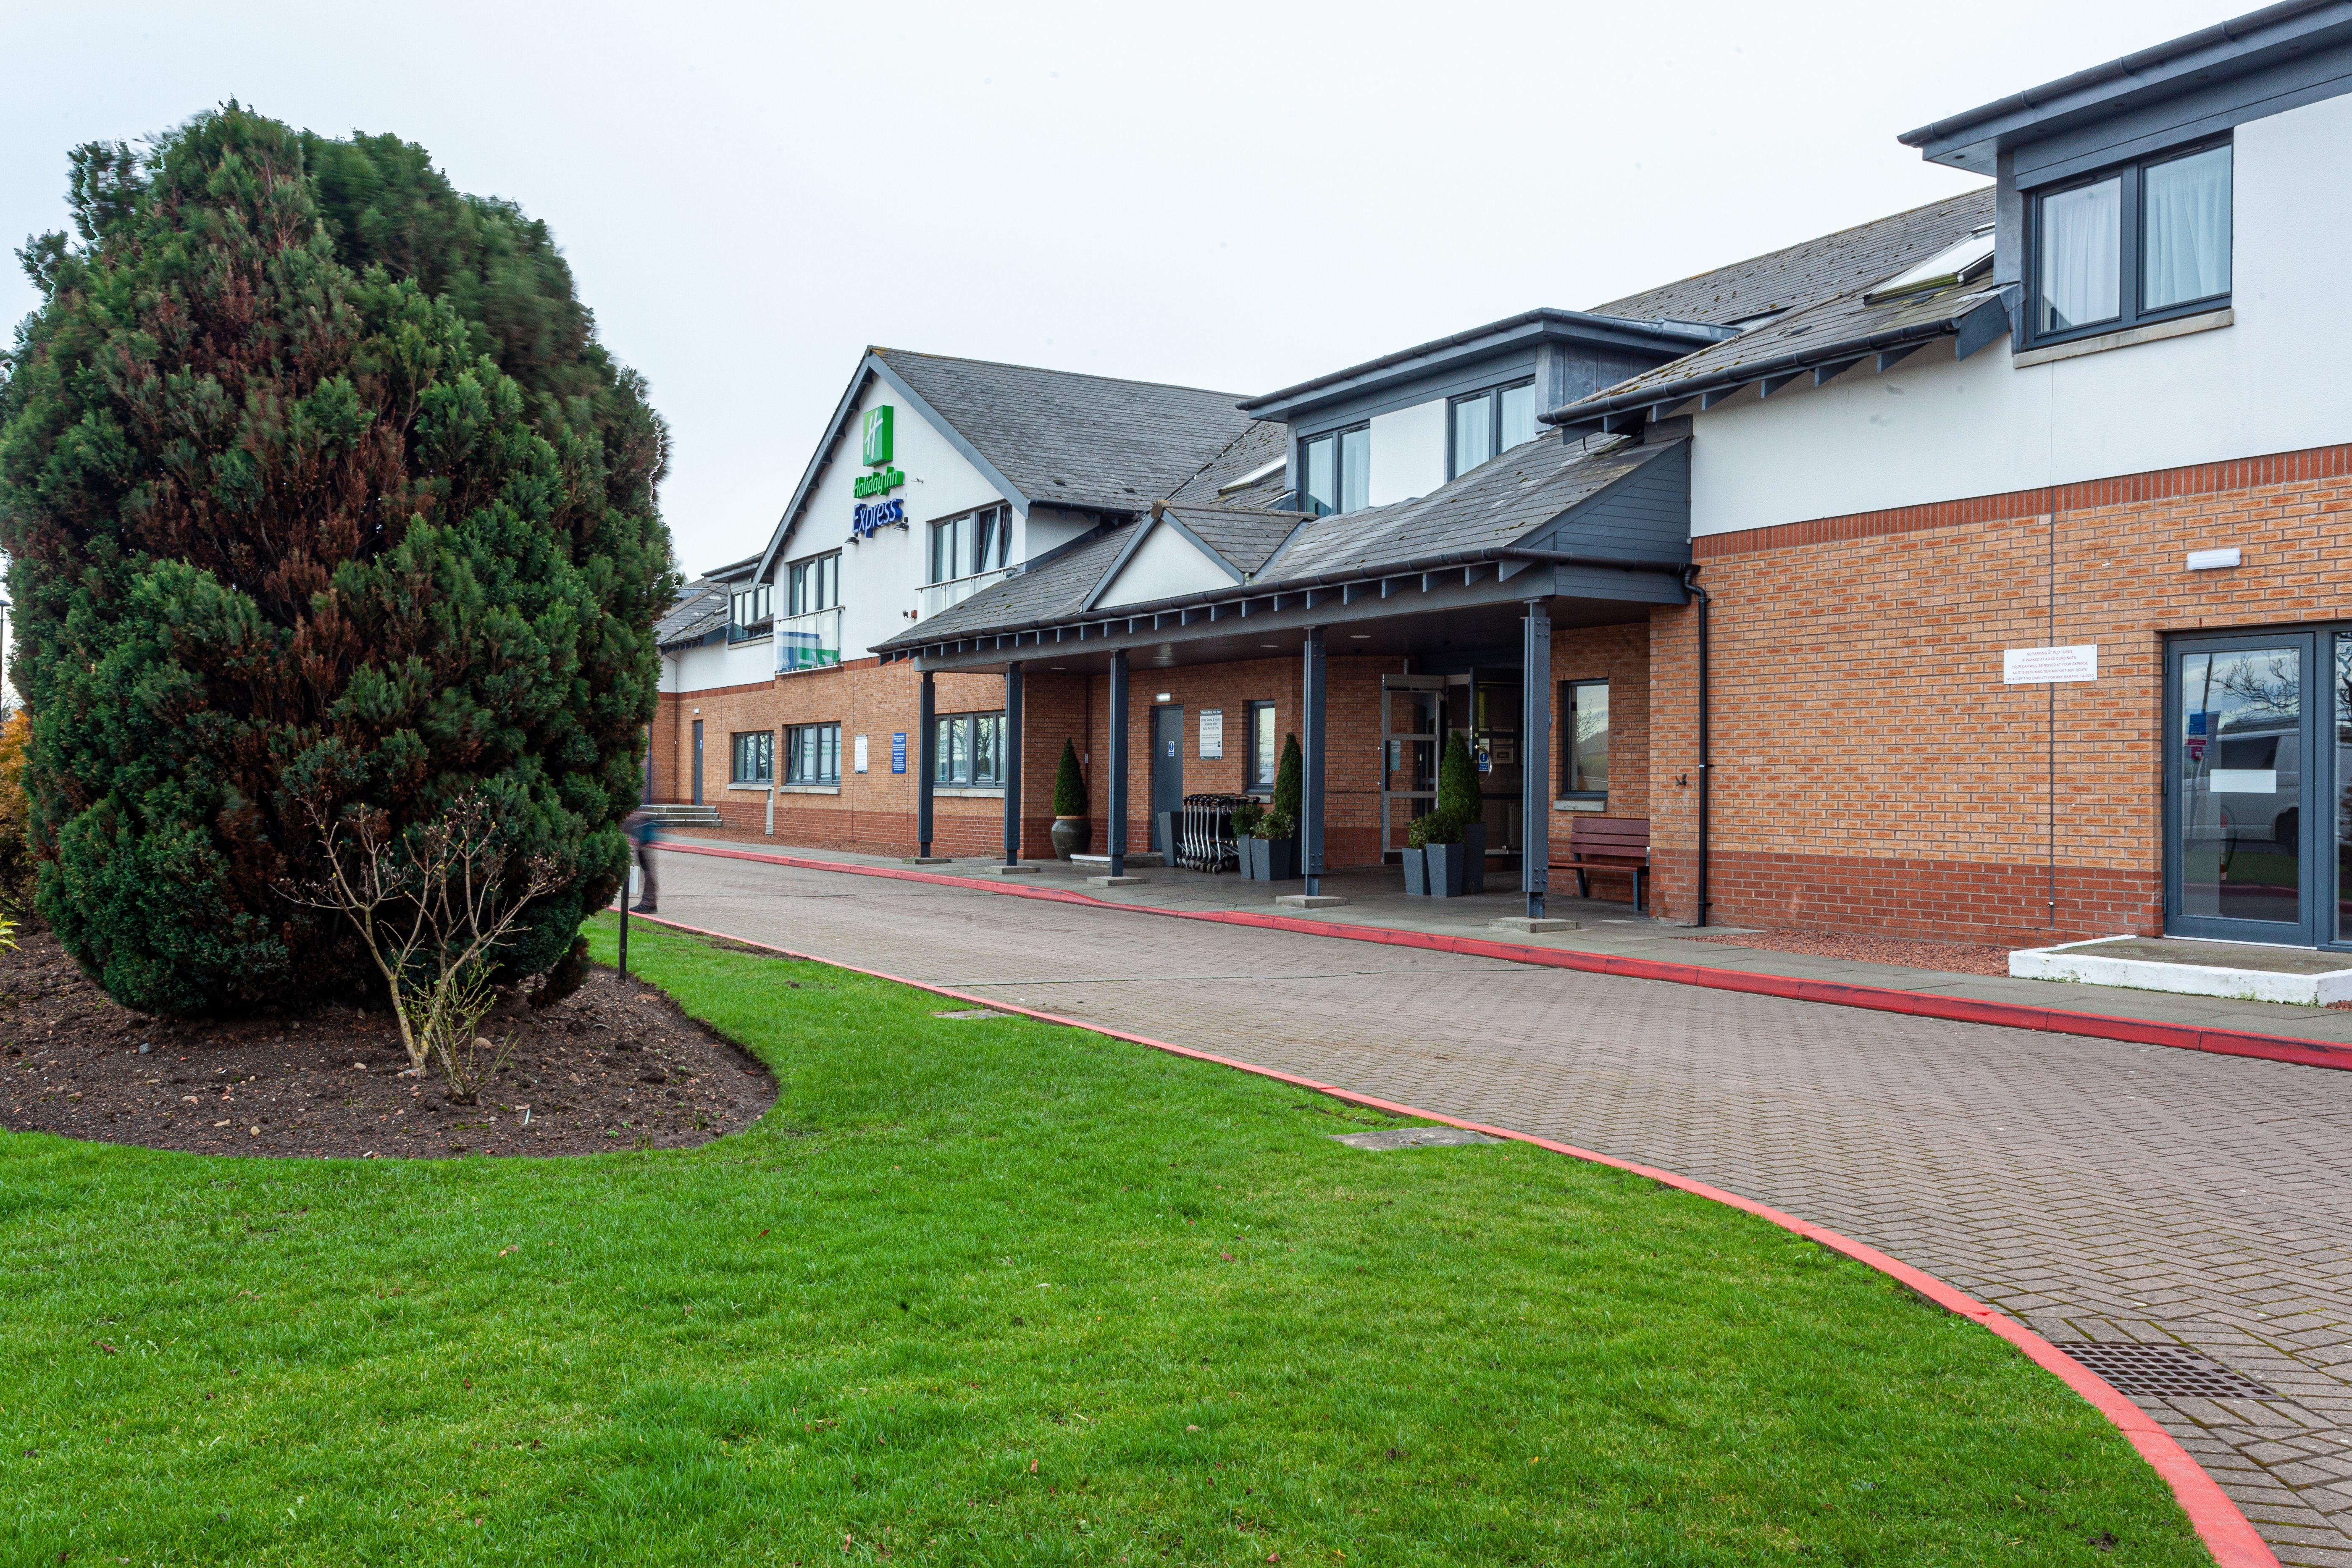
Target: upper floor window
<point>977,542</point>
<point>1339,469</point>
<point>2125,245</point>
<point>1488,423</point>
<point>750,612</point>
<point>812,585</point>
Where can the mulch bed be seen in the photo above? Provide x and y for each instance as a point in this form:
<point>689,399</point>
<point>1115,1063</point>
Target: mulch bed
<point>613,1066</point>
<point>1960,957</point>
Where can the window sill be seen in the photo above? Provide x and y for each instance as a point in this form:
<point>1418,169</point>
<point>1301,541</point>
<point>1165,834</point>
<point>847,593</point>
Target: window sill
<point>804,789</point>
<point>1582,803</point>
<point>967,792</point>
<point>2154,331</point>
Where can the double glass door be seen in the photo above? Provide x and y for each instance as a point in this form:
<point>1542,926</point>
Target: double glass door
<point>2258,745</point>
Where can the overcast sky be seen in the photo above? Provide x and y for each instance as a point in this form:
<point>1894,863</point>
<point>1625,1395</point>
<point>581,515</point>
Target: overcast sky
<point>1232,197</point>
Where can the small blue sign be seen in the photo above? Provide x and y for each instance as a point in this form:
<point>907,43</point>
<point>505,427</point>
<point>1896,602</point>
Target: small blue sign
<point>867,518</point>
<point>2196,723</point>
<point>899,752</point>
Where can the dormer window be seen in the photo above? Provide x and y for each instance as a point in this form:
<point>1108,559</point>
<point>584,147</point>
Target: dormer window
<point>749,608</point>
<point>1488,423</point>
<point>2128,245</point>
<point>1338,469</point>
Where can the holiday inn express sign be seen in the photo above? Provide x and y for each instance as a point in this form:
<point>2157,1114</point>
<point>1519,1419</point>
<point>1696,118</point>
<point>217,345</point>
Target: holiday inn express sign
<point>876,452</point>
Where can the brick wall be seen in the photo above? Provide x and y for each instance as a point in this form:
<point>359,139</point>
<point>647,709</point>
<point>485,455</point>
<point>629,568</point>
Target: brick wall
<point>1872,772</point>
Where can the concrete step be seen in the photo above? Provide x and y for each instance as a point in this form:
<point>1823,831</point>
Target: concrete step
<point>684,816</point>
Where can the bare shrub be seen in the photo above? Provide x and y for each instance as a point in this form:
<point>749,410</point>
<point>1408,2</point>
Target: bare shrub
<point>434,905</point>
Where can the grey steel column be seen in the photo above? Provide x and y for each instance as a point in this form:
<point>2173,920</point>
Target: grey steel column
<point>1535,758</point>
<point>1012,764</point>
<point>927,745</point>
<point>1119,762</point>
<point>1311,746</point>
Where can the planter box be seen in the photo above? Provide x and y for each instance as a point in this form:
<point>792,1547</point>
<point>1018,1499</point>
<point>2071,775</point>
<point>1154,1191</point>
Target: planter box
<point>1442,866</point>
<point>1474,864</point>
<point>1416,875</point>
<point>1281,863</point>
<point>1251,853</point>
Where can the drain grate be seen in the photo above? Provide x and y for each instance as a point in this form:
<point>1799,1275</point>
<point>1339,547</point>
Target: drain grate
<point>2165,1372</point>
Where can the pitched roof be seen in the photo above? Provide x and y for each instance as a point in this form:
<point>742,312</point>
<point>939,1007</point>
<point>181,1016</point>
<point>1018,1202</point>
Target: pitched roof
<point>1069,439</point>
<point>1245,536</point>
<point>1257,446</point>
<point>1799,277</point>
<point>701,609</point>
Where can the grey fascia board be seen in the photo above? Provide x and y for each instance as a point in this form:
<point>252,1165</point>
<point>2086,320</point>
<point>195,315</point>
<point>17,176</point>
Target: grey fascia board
<point>1534,326</point>
<point>1967,139</point>
<point>875,365</point>
<point>1592,410</point>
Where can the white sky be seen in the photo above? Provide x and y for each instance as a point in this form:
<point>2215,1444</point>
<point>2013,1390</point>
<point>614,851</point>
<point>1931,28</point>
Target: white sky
<point>1227,195</point>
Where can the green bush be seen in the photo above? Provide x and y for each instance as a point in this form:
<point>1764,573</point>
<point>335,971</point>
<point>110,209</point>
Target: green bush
<point>1069,789</point>
<point>318,488</point>
<point>1289,783</point>
<point>1433,827</point>
<point>1249,821</point>
<point>16,852</point>
<point>1458,788</point>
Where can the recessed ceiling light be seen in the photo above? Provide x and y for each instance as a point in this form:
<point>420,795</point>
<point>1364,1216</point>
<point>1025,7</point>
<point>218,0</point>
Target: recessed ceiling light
<point>1275,645</point>
<point>1361,636</point>
<point>1057,667</point>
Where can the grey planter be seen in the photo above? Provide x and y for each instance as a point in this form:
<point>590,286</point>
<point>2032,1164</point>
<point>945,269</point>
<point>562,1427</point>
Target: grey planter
<point>1442,866</point>
<point>1281,862</point>
<point>1416,875</point>
<point>1474,862</point>
<point>1071,836</point>
<point>1253,858</point>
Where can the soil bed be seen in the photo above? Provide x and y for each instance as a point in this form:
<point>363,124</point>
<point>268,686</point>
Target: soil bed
<point>1957,957</point>
<point>613,1066</point>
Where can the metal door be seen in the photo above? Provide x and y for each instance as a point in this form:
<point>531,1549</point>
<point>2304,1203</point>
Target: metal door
<point>2241,753</point>
<point>1166,771</point>
<point>697,762</point>
<point>1410,707</point>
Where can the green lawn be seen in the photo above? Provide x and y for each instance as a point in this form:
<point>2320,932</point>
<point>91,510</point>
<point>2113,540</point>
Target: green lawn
<point>994,1292</point>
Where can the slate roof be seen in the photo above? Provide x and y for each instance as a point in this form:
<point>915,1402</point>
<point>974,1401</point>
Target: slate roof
<point>1245,536</point>
<point>1801,276</point>
<point>701,609</point>
<point>1492,506</point>
<point>1069,439</point>
<point>1259,443</point>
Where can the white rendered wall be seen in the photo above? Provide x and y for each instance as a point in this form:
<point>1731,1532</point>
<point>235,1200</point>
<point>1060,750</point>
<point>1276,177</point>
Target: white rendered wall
<point>1163,566</point>
<point>1408,452</point>
<point>719,664</point>
<point>1934,428</point>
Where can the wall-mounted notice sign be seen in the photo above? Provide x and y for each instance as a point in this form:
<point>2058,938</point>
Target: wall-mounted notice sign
<point>899,752</point>
<point>2042,666</point>
<point>857,755</point>
<point>1213,733</point>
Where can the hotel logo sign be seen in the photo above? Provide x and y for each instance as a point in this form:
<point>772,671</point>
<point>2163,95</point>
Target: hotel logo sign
<point>877,436</point>
<point>875,455</point>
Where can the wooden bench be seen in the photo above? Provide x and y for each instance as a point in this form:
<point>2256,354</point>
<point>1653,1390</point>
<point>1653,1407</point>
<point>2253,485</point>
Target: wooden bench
<point>1609,844</point>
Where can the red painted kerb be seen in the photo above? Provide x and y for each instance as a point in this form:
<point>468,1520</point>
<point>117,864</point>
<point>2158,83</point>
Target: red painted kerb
<point>2225,1531</point>
<point>1880,998</point>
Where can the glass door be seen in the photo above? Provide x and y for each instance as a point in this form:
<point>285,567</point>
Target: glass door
<point>2240,860</point>
<point>1410,736</point>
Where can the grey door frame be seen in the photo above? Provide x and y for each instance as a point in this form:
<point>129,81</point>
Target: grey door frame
<point>697,762</point>
<point>1175,763</point>
<point>2316,783</point>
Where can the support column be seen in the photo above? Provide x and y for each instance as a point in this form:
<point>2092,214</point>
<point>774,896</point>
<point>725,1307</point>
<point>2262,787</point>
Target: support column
<point>1535,758</point>
<point>1312,744</point>
<point>1011,765</point>
<point>927,746</point>
<point>1119,762</point>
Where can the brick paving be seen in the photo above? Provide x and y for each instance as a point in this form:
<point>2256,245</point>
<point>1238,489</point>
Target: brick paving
<point>2096,1190</point>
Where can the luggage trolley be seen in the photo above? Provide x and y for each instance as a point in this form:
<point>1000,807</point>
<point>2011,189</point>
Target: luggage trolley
<point>1204,833</point>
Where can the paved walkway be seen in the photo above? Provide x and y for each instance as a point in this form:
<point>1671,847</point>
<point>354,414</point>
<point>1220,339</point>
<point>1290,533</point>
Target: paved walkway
<point>2131,1194</point>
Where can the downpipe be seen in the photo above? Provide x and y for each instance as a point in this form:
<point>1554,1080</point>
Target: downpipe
<point>1706,749</point>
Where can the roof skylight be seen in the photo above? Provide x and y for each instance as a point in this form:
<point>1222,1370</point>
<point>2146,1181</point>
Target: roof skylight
<point>1263,470</point>
<point>1955,263</point>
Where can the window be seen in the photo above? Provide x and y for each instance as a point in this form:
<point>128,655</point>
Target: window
<point>1584,738</point>
<point>1338,471</point>
<point>970,750</point>
<point>812,754</point>
<point>977,542</point>
<point>814,585</point>
<point>755,757</point>
<point>749,607</point>
<point>1488,423</point>
<point>2140,242</point>
<point>1263,753</point>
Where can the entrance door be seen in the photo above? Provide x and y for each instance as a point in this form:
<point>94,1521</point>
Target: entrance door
<point>1167,771</point>
<point>697,762</point>
<point>1495,715</point>
<point>1411,706</point>
<point>2240,852</point>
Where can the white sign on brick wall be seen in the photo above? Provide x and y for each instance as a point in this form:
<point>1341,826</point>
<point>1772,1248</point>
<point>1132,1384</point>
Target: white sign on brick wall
<point>1213,732</point>
<point>2042,666</point>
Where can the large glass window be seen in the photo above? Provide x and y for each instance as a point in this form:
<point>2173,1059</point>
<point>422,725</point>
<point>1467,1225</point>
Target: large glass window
<point>1488,423</point>
<point>814,585</point>
<point>748,606</point>
<point>1338,471</point>
<point>970,750</point>
<point>977,542</point>
<point>2133,244</point>
<point>812,754</point>
<point>1584,738</point>
<point>1263,753</point>
<point>1356,469</point>
<point>1322,476</point>
<point>755,756</point>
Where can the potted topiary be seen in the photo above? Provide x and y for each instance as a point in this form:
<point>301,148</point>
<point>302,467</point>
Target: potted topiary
<point>1439,839</point>
<point>1249,822</point>
<point>1282,822</point>
<point>1071,829</point>
<point>1461,797</point>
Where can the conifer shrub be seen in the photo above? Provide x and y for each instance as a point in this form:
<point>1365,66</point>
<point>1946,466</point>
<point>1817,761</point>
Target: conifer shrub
<point>1459,793</point>
<point>1288,787</point>
<point>318,489</point>
<point>1069,788</point>
<point>15,854</point>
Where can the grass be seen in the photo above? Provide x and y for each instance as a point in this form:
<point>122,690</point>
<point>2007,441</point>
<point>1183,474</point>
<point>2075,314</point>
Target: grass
<point>994,1292</point>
